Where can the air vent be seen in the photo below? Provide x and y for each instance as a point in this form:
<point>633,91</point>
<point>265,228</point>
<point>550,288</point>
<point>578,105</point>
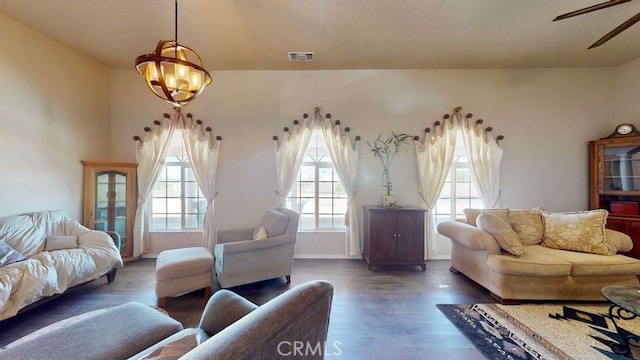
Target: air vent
<point>302,56</point>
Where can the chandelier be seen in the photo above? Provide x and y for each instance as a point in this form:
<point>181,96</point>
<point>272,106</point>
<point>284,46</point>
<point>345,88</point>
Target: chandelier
<point>174,72</point>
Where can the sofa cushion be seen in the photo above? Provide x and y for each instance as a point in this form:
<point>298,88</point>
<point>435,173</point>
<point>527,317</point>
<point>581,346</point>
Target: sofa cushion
<point>577,231</point>
<point>184,262</point>
<point>60,242</point>
<point>9,255</point>
<point>528,225</point>
<point>502,232</point>
<point>532,262</point>
<point>472,214</point>
<point>584,264</point>
<point>274,222</point>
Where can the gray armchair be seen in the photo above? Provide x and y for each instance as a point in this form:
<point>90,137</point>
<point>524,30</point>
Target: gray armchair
<point>241,260</point>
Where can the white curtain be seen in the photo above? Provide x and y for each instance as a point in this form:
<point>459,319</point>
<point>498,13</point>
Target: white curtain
<point>289,155</point>
<point>434,157</point>
<point>150,154</point>
<point>345,159</point>
<point>203,151</point>
<point>485,157</point>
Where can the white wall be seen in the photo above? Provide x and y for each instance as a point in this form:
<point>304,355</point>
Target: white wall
<point>627,91</point>
<point>55,112</point>
<point>546,115</point>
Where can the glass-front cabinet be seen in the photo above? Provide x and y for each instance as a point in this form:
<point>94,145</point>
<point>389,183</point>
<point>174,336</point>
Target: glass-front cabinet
<point>110,200</point>
<point>614,184</point>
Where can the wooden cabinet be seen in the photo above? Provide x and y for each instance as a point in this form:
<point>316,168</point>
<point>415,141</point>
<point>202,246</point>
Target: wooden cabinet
<point>394,236</point>
<point>110,199</point>
<point>614,184</point>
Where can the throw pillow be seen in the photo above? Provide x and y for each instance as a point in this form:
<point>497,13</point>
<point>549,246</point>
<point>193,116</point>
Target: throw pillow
<point>176,348</point>
<point>8,255</point>
<point>472,214</point>
<point>261,234</point>
<point>577,231</point>
<point>60,242</point>
<point>528,225</point>
<point>502,232</point>
<point>274,222</point>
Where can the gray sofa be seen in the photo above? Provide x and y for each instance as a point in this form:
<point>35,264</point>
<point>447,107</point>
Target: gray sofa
<point>231,327</point>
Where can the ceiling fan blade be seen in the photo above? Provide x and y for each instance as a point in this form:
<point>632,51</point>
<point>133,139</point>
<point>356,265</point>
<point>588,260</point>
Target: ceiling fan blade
<point>590,9</point>
<point>622,27</point>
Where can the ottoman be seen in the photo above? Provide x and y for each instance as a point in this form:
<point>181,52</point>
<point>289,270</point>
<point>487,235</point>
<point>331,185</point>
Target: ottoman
<point>179,271</point>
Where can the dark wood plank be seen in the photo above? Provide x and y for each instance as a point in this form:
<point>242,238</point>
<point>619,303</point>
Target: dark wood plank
<point>386,314</point>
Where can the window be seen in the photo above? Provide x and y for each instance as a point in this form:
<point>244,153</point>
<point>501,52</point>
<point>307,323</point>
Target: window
<point>459,191</point>
<point>176,200</point>
<point>318,194</point>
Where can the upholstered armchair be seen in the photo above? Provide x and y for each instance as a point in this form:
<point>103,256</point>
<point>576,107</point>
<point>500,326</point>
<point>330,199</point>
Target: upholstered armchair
<point>248,255</point>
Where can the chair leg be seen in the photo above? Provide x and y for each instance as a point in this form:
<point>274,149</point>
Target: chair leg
<point>162,302</point>
<point>288,279</point>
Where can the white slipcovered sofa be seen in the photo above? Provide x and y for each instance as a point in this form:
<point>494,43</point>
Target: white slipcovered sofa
<point>45,253</point>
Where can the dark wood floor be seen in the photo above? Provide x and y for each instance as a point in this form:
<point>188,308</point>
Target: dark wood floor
<point>382,314</point>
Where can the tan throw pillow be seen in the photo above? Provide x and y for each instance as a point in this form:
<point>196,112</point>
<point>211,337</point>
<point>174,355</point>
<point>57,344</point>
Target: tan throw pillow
<point>502,232</point>
<point>472,214</point>
<point>577,231</point>
<point>261,234</point>
<point>528,225</point>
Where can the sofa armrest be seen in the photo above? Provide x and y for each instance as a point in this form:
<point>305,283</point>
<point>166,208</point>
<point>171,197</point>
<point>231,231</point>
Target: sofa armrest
<point>116,239</point>
<point>469,236</point>
<point>619,241</point>
<point>233,235</point>
<point>223,309</point>
<point>298,316</point>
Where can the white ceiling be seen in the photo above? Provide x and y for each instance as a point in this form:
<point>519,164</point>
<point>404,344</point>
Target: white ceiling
<point>344,34</point>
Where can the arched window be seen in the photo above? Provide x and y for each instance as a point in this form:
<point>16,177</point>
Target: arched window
<point>176,200</point>
<point>317,193</point>
<point>459,190</point>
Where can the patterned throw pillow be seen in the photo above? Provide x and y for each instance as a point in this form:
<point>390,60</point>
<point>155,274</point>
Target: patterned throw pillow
<point>8,255</point>
<point>577,231</point>
<point>472,214</point>
<point>528,225</point>
<point>502,232</point>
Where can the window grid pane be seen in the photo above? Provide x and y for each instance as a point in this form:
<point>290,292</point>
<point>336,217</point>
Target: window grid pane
<point>176,200</point>
<point>318,194</point>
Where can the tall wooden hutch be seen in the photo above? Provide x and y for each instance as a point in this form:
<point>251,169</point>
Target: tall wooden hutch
<point>110,199</point>
<point>614,181</point>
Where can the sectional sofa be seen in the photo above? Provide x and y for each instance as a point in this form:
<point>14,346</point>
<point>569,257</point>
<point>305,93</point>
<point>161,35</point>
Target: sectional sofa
<point>43,254</point>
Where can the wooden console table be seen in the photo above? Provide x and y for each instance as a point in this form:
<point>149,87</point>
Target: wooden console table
<point>394,236</point>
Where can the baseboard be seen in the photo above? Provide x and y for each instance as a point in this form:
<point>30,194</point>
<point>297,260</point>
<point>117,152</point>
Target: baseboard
<point>325,256</point>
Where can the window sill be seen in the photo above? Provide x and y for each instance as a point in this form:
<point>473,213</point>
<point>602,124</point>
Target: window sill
<point>175,231</point>
<point>330,231</point>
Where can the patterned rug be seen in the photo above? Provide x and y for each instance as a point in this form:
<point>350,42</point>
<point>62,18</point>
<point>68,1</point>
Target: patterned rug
<point>549,331</point>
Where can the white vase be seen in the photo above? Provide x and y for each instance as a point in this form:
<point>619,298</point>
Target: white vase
<point>389,201</point>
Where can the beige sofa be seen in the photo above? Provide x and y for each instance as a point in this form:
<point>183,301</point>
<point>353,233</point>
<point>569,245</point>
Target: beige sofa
<point>45,253</point>
<point>540,272</point>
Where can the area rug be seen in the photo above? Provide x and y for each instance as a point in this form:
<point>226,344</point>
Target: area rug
<point>548,331</point>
